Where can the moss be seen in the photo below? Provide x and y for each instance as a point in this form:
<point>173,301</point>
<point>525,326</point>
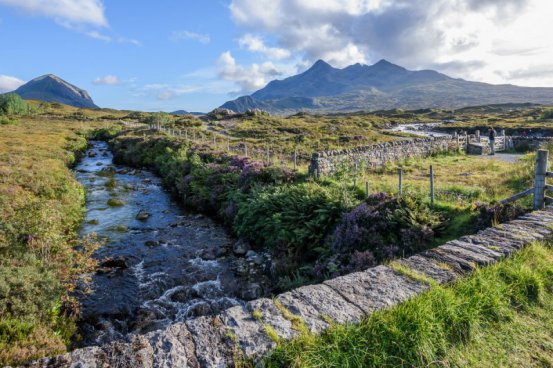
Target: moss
<point>115,202</point>
<point>256,314</point>
<point>412,274</point>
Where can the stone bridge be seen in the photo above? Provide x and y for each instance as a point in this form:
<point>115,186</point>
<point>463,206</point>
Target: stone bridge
<point>251,330</point>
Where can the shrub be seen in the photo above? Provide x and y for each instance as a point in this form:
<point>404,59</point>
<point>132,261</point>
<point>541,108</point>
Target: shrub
<point>12,104</point>
<point>158,118</point>
<point>547,114</point>
<point>492,214</point>
<point>294,218</point>
<point>384,227</point>
<point>4,120</point>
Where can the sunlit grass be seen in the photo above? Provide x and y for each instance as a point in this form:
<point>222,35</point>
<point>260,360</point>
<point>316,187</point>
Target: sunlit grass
<point>41,207</point>
<point>498,317</point>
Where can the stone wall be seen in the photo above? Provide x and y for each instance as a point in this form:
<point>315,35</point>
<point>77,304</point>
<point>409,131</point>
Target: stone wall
<point>327,162</point>
<point>215,341</point>
<point>522,144</point>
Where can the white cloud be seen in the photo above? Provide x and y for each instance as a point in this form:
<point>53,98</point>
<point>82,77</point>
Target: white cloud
<point>70,12</point>
<point>256,44</point>
<point>108,80</point>
<point>129,41</point>
<point>490,40</point>
<point>187,35</point>
<point>98,36</point>
<point>8,83</point>
<point>249,78</point>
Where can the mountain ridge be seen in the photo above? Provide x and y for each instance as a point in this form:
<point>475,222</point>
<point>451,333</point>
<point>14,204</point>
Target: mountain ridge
<point>51,88</point>
<point>383,85</point>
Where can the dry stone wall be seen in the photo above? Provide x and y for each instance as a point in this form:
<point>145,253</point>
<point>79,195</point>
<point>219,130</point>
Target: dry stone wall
<point>530,143</point>
<point>249,330</point>
<point>327,162</point>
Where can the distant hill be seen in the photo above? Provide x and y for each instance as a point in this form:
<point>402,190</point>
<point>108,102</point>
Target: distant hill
<point>52,88</point>
<point>184,112</point>
<point>384,85</point>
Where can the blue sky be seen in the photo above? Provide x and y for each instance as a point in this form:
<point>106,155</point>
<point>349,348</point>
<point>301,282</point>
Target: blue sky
<point>195,55</point>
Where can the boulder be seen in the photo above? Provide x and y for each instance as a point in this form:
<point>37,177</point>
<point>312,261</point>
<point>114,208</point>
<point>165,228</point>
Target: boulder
<point>143,215</point>
<point>240,248</point>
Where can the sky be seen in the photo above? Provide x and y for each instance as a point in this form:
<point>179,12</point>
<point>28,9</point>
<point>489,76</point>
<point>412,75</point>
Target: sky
<point>168,55</point>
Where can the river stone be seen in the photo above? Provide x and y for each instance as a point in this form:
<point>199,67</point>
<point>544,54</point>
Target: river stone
<point>89,357</point>
<point>272,316</point>
<point>375,288</point>
<point>213,346</point>
<point>251,291</point>
<point>137,353</point>
<point>240,248</point>
<point>429,268</point>
<point>173,347</point>
<point>296,305</point>
<point>249,333</point>
<point>329,303</point>
<point>143,215</point>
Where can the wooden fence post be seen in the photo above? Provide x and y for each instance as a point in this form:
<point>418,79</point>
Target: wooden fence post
<point>366,189</point>
<point>431,186</point>
<point>295,159</point>
<point>400,172</point>
<point>539,181</point>
<point>477,134</point>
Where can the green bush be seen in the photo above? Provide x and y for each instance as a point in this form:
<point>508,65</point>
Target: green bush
<point>158,118</point>
<point>295,218</point>
<point>12,104</point>
<point>4,120</point>
<point>547,114</point>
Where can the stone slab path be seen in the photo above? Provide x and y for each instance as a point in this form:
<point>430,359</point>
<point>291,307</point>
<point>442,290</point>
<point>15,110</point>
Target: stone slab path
<point>215,341</point>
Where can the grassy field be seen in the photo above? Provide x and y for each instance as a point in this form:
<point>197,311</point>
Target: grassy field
<point>41,207</point>
<point>501,316</point>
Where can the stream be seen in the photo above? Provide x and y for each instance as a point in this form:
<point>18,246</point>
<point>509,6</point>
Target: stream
<point>159,264</point>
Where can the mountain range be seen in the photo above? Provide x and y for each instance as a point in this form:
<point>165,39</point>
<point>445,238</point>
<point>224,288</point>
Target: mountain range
<point>384,85</point>
<point>52,88</point>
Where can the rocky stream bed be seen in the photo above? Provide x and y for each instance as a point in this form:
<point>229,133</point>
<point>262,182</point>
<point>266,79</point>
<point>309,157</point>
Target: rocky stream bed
<point>159,265</point>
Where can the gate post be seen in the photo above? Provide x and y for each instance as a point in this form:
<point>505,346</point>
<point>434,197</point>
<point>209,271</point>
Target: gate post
<point>539,181</point>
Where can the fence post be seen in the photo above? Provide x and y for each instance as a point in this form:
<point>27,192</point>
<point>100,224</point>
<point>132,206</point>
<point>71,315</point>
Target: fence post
<point>539,181</point>
<point>477,134</point>
<point>431,186</point>
<point>295,159</point>
<point>366,189</point>
<point>400,172</point>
